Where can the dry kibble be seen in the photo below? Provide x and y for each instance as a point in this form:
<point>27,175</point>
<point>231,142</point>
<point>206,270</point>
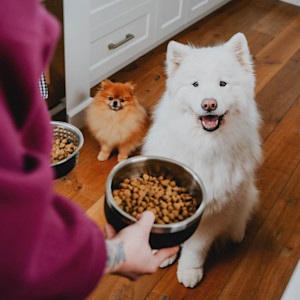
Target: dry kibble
<point>169,202</point>
<point>175,213</point>
<point>165,212</point>
<point>166,219</point>
<point>165,182</point>
<point>145,177</point>
<point>61,149</point>
<point>163,204</point>
<point>185,213</point>
<point>177,206</point>
<point>127,193</point>
<point>171,216</point>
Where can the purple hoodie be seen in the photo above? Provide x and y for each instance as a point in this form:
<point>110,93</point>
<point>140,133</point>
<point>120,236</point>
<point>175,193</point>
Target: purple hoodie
<point>49,249</point>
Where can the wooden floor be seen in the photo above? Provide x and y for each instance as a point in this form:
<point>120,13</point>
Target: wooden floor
<point>260,267</point>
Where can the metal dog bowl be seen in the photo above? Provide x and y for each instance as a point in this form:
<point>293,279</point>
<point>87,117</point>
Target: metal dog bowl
<point>63,130</point>
<point>162,235</point>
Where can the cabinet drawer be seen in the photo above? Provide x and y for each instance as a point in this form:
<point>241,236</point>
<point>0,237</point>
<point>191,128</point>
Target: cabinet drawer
<point>104,10</point>
<point>138,23</point>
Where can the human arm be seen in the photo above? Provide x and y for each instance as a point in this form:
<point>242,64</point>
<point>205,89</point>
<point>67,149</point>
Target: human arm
<point>49,248</point>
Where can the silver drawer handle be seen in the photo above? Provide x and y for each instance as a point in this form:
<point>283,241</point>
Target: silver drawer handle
<point>128,37</point>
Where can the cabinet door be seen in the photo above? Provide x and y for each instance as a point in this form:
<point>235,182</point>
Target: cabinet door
<point>170,16</point>
<point>199,8</point>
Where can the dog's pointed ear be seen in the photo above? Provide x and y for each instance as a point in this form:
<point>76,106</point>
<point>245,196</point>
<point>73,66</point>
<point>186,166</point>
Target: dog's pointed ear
<point>130,86</point>
<point>105,83</point>
<point>176,52</point>
<point>239,46</point>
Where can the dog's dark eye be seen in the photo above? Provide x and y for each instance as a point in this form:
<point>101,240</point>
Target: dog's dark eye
<point>110,98</point>
<point>195,84</point>
<point>122,100</point>
<point>223,83</point>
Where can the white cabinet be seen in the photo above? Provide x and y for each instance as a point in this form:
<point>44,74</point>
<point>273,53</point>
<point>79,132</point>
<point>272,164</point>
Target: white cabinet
<point>170,16</point>
<point>200,8</point>
<point>115,40</point>
<point>102,36</point>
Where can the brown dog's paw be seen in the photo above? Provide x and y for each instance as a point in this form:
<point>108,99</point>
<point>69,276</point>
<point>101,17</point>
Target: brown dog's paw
<point>122,157</point>
<point>102,156</point>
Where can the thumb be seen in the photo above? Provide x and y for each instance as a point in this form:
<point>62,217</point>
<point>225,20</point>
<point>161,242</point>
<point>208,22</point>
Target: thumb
<point>146,221</point>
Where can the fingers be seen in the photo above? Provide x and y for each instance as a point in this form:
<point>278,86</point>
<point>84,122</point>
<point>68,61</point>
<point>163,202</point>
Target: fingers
<point>109,231</point>
<point>146,221</point>
<point>162,254</point>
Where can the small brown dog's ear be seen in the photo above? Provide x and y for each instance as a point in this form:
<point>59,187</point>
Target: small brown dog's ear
<point>130,86</point>
<point>105,83</point>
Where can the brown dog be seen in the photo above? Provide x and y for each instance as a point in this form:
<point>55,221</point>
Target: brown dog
<point>116,119</point>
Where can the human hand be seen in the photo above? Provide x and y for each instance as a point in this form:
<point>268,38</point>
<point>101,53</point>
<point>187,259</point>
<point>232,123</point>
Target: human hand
<point>129,253</point>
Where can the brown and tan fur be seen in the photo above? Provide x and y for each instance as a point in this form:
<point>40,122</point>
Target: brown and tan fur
<point>122,125</point>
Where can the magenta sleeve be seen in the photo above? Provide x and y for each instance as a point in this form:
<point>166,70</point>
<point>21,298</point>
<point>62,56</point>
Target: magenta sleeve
<point>49,248</point>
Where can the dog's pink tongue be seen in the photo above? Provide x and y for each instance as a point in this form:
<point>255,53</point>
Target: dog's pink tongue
<point>210,121</point>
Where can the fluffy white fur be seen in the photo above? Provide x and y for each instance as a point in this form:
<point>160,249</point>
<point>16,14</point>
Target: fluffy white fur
<point>226,158</point>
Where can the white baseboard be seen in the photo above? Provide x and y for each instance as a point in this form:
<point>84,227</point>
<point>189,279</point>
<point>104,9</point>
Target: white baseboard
<point>76,116</point>
<point>292,291</point>
<point>295,2</point>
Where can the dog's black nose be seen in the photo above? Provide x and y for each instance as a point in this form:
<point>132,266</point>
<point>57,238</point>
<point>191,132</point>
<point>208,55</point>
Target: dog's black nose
<point>115,103</point>
<point>209,104</point>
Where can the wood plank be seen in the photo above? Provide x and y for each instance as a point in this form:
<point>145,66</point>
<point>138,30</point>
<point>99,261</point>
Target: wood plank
<point>96,212</point>
<point>277,19</point>
<point>275,55</point>
<point>274,252</point>
<point>277,96</point>
<point>236,16</point>
<point>257,41</point>
<point>116,287</point>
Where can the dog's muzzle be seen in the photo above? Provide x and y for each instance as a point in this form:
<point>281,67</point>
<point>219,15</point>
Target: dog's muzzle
<point>211,122</point>
<point>115,105</point>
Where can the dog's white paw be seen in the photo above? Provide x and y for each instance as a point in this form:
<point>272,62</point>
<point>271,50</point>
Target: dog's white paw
<point>189,277</point>
<point>102,156</point>
<point>168,261</point>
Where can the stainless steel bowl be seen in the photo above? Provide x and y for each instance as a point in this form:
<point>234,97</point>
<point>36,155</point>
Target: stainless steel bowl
<point>63,130</point>
<point>165,235</point>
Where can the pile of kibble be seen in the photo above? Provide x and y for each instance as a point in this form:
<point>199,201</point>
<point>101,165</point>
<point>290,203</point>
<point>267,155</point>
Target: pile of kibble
<point>169,202</point>
<point>61,149</point>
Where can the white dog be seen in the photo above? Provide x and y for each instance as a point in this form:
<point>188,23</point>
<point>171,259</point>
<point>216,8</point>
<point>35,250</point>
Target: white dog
<point>208,120</point>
